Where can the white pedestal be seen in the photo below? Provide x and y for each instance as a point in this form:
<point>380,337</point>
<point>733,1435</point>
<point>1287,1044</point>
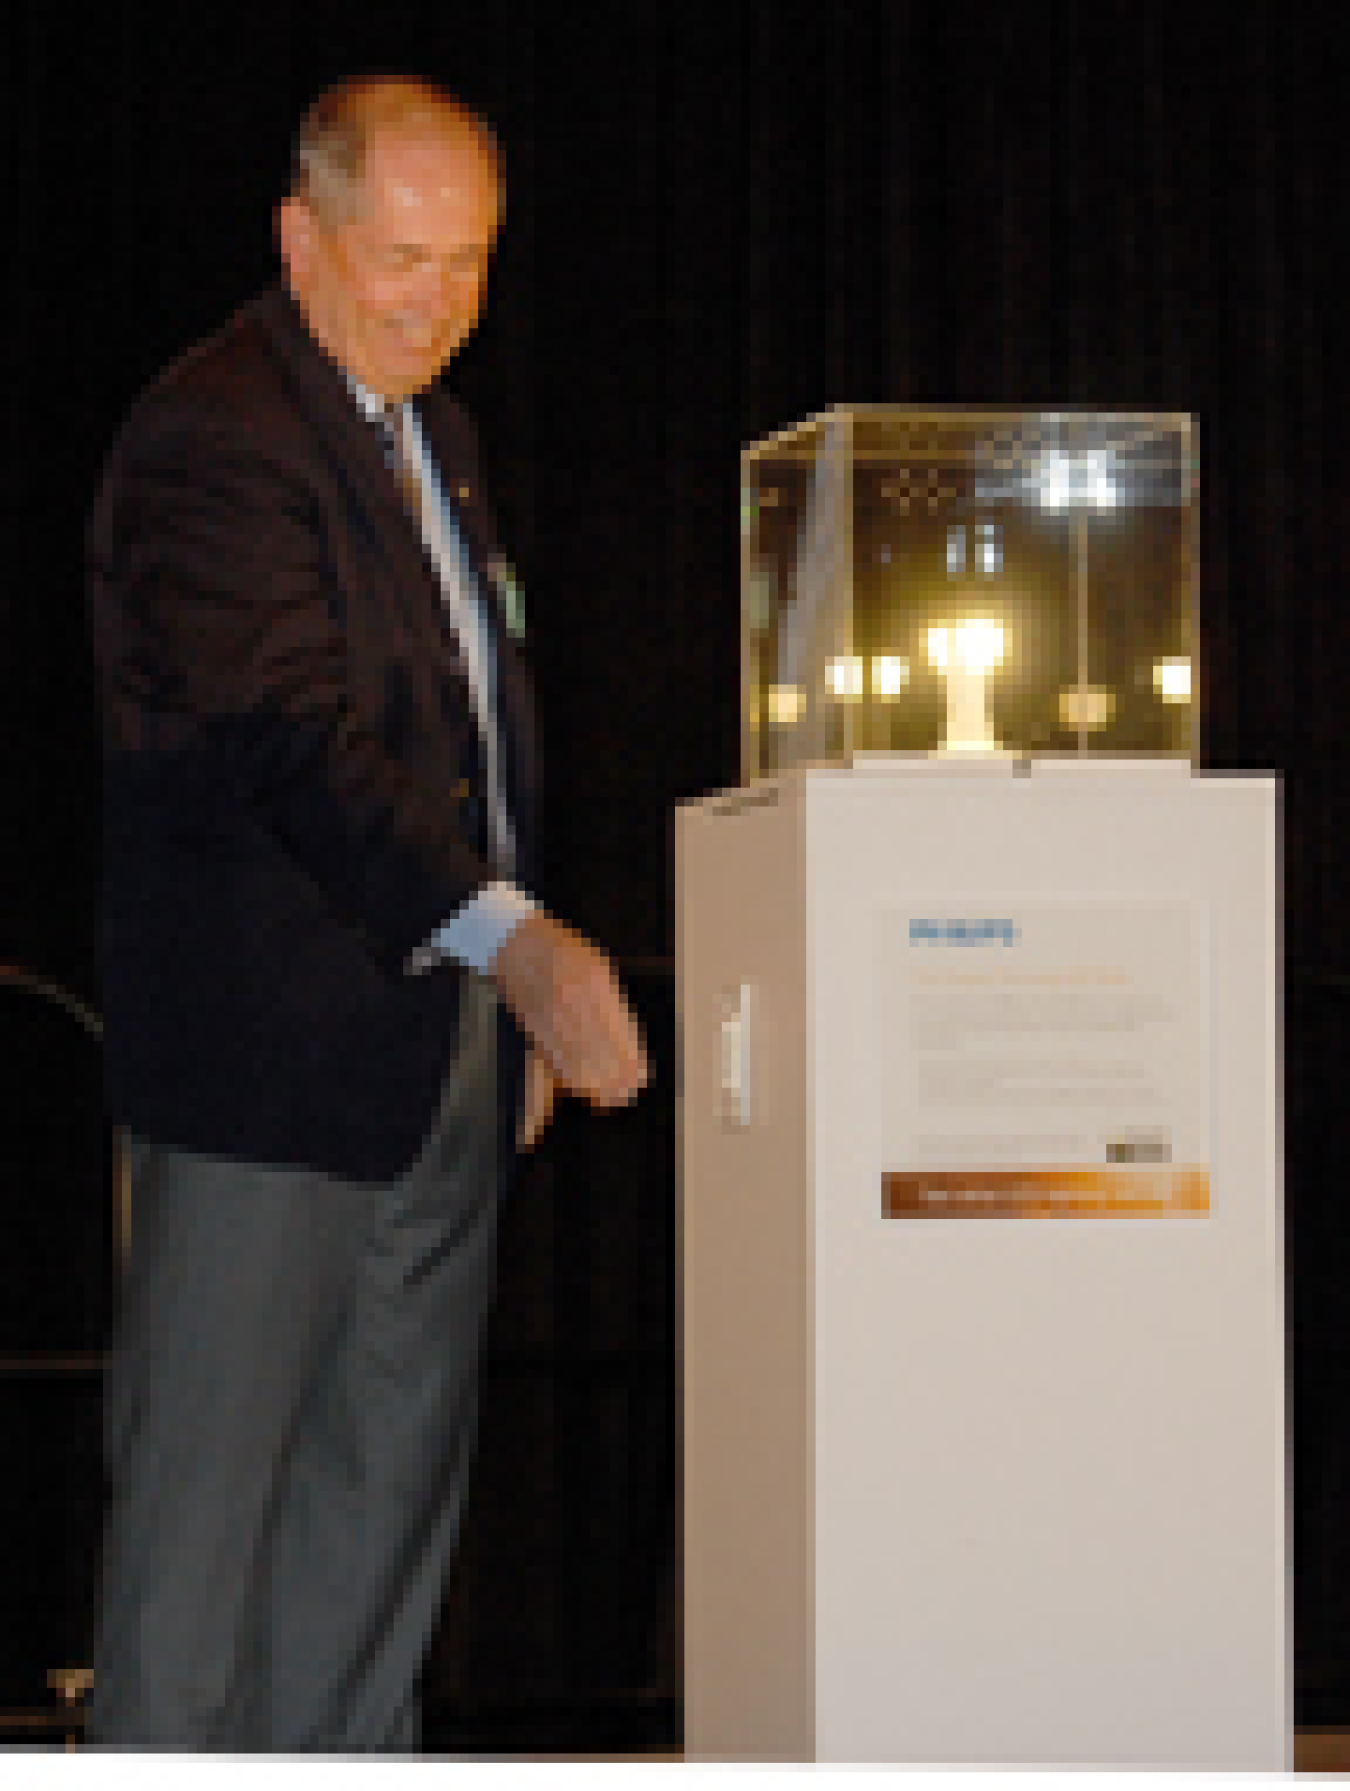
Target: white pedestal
<point>974,1488</point>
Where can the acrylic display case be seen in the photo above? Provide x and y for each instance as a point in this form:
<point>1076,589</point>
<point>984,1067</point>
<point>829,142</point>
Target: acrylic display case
<point>943,580</point>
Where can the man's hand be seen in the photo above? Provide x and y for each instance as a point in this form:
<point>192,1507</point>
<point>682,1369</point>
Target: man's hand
<point>564,993</point>
<point>537,1107</point>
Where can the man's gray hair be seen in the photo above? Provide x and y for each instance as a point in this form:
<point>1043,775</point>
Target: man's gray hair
<point>329,154</point>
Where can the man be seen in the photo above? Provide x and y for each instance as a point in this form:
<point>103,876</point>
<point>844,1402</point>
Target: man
<point>326,988</point>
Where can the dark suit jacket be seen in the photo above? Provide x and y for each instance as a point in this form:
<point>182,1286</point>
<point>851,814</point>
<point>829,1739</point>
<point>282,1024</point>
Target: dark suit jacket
<point>294,779</point>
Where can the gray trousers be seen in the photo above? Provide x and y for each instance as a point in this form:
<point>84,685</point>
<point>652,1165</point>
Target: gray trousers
<point>291,1409</point>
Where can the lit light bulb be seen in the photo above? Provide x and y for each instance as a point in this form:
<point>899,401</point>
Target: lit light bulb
<point>976,645</point>
<point>890,675</point>
<point>1172,680</point>
<point>980,644</point>
<point>786,702</point>
<point>965,654</point>
<point>844,676</point>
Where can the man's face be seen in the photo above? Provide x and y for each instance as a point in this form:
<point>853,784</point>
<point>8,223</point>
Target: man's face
<point>393,287</point>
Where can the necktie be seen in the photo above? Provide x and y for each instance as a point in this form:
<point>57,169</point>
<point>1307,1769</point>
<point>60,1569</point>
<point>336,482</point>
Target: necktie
<point>399,454</point>
<point>463,609</point>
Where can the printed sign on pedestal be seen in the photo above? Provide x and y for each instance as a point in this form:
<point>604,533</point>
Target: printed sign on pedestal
<point>1043,1058</point>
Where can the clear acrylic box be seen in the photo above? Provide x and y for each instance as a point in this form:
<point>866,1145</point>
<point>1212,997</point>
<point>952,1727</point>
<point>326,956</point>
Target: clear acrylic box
<point>969,582</point>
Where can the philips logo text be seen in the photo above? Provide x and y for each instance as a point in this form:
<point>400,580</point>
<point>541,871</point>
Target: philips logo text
<point>963,932</point>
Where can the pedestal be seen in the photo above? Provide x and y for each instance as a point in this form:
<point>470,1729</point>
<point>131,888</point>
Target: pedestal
<point>984,1433</point>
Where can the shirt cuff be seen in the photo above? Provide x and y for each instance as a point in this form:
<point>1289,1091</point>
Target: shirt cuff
<point>474,932</point>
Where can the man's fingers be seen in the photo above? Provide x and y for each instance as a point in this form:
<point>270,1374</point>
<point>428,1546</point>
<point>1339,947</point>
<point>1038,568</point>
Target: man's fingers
<point>537,1106</point>
<point>609,1073</point>
<point>597,1045</point>
<point>565,995</point>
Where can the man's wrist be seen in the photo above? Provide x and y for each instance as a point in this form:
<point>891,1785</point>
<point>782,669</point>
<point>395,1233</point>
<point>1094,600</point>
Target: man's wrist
<point>476,932</point>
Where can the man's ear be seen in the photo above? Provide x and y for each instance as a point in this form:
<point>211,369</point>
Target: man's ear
<point>295,236</point>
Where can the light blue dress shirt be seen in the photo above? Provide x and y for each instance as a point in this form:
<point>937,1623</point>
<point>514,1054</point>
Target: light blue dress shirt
<point>474,932</point>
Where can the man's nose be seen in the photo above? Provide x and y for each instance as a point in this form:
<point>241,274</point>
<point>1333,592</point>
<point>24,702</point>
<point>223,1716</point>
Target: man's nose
<point>449,285</point>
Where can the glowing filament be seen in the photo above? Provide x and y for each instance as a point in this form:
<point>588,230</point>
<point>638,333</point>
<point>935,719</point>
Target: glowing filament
<point>976,645</point>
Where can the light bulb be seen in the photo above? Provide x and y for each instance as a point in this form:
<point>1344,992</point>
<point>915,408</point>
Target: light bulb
<point>979,644</point>
<point>965,653</point>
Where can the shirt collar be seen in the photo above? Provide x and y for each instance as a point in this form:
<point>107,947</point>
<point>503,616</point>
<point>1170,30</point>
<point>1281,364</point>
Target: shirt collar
<point>371,402</point>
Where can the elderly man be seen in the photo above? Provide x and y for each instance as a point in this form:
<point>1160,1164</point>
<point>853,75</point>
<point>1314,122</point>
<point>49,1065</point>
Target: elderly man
<point>333,1010</point>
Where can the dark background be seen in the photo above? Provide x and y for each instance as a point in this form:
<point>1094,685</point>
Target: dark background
<point>720,219</point>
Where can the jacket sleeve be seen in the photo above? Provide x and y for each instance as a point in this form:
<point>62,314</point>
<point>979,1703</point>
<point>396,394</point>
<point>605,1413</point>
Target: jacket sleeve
<point>222,641</point>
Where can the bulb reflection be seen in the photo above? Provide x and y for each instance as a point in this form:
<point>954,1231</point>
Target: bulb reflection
<point>1075,481</point>
<point>1090,708</point>
<point>1172,680</point>
<point>786,702</point>
<point>844,678</point>
<point>890,675</point>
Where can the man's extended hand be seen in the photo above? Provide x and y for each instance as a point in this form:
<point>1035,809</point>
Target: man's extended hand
<point>564,993</point>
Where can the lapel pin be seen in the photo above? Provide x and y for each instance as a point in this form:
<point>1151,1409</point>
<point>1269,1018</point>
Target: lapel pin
<point>508,590</point>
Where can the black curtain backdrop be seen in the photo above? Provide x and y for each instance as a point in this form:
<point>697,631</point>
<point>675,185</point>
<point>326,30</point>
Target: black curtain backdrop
<point>720,219</point>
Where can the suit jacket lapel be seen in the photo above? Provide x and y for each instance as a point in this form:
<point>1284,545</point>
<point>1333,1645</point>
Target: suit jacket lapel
<point>356,446</point>
<point>355,449</point>
<point>352,444</point>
